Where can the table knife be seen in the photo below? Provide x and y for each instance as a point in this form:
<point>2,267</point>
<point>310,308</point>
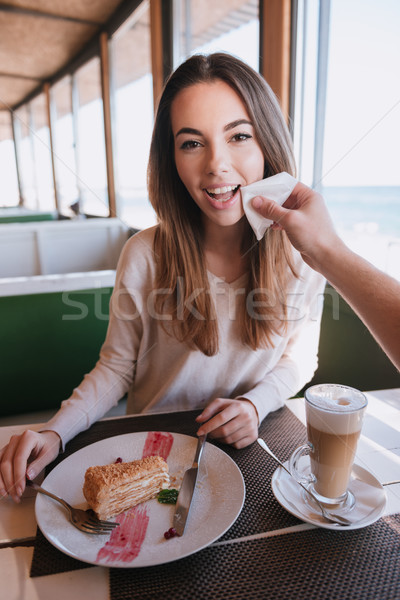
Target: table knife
<point>187,489</point>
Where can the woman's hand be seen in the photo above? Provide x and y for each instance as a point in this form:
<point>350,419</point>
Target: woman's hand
<point>233,422</point>
<point>37,449</point>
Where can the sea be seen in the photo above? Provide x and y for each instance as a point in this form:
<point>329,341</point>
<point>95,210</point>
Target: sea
<point>368,219</point>
<point>372,209</point>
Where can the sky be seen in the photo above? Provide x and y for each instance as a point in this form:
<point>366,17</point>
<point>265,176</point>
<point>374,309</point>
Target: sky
<point>363,96</point>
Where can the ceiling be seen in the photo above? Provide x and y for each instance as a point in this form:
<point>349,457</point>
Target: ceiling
<point>40,37</point>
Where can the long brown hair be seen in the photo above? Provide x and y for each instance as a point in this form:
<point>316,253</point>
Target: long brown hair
<point>187,305</point>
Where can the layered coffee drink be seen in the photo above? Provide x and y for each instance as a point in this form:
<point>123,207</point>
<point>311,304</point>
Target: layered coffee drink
<point>334,421</point>
<point>334,415</point>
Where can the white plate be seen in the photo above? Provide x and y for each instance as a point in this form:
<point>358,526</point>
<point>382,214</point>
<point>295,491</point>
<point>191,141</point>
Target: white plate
<point>216,505</point>
<point>369,495</point>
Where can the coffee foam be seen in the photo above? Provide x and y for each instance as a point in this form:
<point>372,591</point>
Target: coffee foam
<point>335,410</point>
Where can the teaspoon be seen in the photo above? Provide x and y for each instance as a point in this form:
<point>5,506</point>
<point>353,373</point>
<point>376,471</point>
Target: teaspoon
<point>329,516</point>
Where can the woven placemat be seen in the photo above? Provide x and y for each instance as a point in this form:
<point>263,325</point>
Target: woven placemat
<point>317,564</point>
<point>261,512</point>
<point>182,422</point>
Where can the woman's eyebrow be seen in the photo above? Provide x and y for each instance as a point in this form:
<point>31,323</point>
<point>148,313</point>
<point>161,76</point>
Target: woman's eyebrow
<point>228,127</point>
<point>188,130</point>
<point>237,123</point>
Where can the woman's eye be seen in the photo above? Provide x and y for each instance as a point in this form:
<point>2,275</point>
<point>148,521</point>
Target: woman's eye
<point>189,145</point>
<point>241,137</point>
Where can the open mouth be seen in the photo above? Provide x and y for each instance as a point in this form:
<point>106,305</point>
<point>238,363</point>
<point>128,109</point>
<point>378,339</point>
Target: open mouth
<point>222,194</point>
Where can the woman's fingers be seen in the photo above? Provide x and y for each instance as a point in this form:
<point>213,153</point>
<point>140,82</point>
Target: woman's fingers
<point>212,415</point>
<point>48,452</point>
<point>233,422</point>
<point>41,447</point>
<point>3,490</point>
<point>10,478</point>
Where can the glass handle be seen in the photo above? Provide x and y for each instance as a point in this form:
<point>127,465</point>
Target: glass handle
<point>293,464</point>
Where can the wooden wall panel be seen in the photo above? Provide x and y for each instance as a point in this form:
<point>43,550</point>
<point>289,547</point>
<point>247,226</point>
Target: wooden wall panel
<point>156,48</point>
<point>275,48</point>
<point>105,84</point>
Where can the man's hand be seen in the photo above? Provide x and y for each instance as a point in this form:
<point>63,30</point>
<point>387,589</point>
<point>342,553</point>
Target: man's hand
<point>306,221</point>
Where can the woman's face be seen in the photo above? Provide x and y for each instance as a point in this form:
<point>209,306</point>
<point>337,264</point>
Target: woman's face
<point>216,151</point>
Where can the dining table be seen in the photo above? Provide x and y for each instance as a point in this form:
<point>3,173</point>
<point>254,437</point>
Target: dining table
<point>266,552</point>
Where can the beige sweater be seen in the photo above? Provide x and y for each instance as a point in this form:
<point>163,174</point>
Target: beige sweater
<point>161,374</point>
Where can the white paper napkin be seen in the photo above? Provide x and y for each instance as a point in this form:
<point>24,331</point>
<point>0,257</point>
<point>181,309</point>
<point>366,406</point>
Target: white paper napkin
<point>278,188</point>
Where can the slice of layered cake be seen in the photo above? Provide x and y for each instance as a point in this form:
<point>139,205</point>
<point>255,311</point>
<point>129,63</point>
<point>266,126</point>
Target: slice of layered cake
<point>111,489</point>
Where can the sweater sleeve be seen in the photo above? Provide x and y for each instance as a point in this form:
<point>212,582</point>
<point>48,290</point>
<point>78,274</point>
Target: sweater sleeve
<point>113,374</point>
<point>299,360</point>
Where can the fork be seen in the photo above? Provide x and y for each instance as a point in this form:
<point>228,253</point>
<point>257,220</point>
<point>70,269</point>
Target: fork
<point>328,515</point>
<point>84,520</point>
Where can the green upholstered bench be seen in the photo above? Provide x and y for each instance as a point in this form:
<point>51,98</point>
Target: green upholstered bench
<point>23,215</point>
<point>50,337</point>
<point>56,280</point>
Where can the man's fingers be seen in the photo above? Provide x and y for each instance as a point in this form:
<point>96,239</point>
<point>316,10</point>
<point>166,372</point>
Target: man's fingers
<point>268,208</point>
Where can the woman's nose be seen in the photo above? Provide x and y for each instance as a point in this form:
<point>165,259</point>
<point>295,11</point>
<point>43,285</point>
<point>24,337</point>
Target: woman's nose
<point>217,159</point>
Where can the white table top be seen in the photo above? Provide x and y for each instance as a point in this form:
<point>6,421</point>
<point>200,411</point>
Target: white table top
<point>378,451</point>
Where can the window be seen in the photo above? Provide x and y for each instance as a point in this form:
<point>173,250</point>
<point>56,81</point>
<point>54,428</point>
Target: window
<point>64,145</point>
<point>348,118</point>
<point>91,159</point>
<point>8,168</point>
<point>132,117</point>
<point>24,145</point>
<point>40,138</point>
<point>219,25</point>
<point>34,156</point>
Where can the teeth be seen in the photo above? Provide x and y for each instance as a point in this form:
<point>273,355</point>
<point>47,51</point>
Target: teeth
<point>222,190</point>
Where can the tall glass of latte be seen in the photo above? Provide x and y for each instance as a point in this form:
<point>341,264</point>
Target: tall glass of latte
<point>334,415</point>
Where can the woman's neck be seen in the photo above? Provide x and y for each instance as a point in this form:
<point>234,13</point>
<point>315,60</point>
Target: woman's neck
<point>224,250</point>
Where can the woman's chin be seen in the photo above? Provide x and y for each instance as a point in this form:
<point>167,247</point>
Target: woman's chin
<point>225,219</point>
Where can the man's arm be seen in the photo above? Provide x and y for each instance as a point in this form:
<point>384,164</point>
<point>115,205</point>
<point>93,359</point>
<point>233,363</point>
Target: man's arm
<point>373,295</point>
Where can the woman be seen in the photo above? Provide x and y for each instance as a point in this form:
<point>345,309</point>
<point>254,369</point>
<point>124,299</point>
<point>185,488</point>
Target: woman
<point>202,315</point>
